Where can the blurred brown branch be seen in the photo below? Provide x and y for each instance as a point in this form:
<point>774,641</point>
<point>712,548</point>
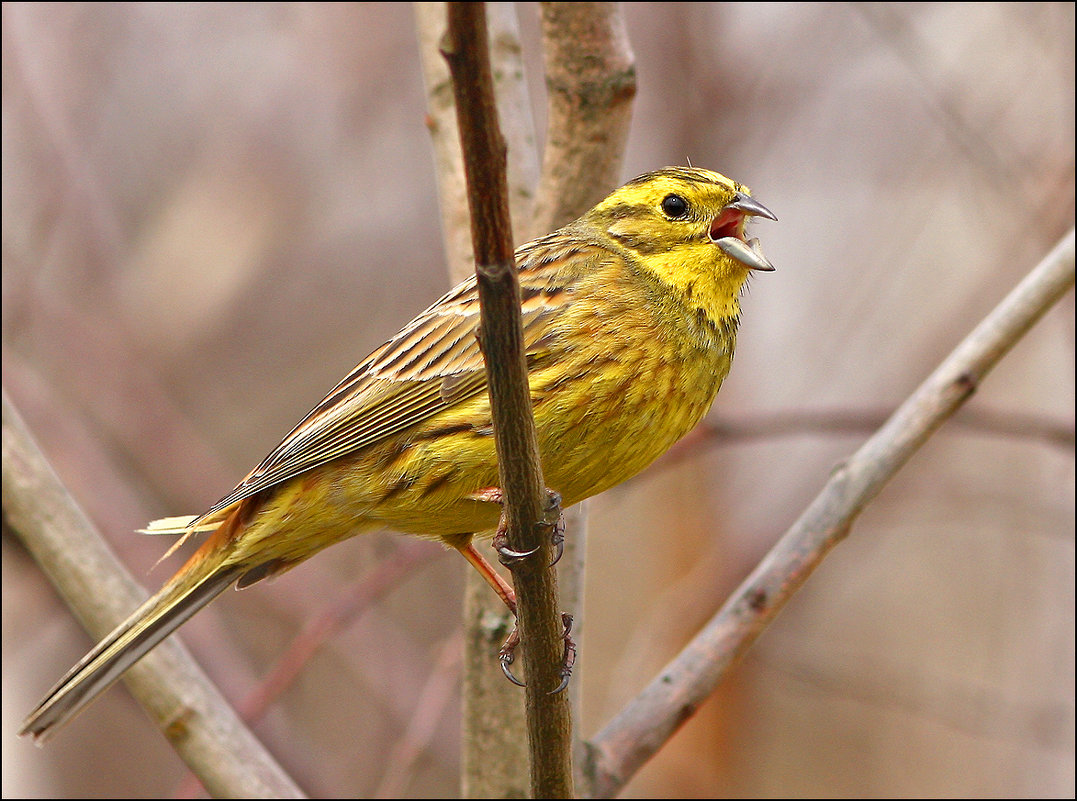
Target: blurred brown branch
<point>336,615</point>
<point>171,687</point>
<point>648,721</point>
<point>339,613</point>
<point>591,83</point>
<point>718,430</point>
<point>433,699</point>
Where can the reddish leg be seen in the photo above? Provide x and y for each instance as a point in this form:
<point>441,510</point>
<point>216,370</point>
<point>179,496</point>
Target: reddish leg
<point>492,577</point>
<point>506,655</point>
<point>506,593</point>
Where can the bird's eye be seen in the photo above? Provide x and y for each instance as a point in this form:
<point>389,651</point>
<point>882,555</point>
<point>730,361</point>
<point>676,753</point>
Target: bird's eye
<point>675,206</point>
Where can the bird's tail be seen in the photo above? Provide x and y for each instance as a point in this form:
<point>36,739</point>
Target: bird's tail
<point>197,583</point>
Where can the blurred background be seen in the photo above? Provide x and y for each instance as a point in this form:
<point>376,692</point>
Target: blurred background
<point>211,212</point>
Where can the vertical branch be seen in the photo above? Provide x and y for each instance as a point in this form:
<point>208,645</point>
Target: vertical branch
<point>548,719</point>
<point>591,82</point>
<point>493,764</point>
<point>514,115</point>
<point>598,120</point>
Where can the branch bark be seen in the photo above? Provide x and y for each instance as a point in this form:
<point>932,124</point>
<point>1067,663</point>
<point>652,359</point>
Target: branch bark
<point>590,84</point>
<point>525,507</point>
<point>489,709</point>
<point>169,685</point>
<point>493,765</point>
<point>852,420</point>
<point>647,722</point>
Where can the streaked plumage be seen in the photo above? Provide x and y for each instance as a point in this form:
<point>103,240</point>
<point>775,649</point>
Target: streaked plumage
<point>630,316</point>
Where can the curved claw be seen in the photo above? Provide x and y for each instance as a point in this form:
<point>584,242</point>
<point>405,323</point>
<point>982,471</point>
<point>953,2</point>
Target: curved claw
<point>558,541</point>
<point>508,557</point>
<point>565,677</point>
<point>569,658</point>
<point>507,655</point>
<point>506,660</point>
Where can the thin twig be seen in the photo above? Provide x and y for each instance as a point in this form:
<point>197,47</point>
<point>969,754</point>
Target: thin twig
<point>725,430</point>
<point>338,614</point>
<point>648,721</point>
<point>548,718</point>
<point>493,765</point>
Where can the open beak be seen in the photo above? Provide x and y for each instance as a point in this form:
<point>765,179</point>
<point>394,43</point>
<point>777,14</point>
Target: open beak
<point>727,232</point>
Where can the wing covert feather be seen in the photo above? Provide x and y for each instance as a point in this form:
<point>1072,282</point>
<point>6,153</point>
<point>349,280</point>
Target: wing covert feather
<point>432,364</point>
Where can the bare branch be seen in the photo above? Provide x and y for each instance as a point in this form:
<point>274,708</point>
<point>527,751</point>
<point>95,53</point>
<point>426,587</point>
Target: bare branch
<point>646,723</point>
<point>851,421</point>
<point>549,722</point>
<point>591,82</point>
<point>429,708</point>
<point>493,765</point>
<point>168,683</point>
<point>603,124</point>
<point>340,612</point>
<point>514,114</point>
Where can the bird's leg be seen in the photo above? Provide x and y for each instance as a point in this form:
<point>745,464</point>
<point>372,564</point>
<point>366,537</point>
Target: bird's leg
<point>507,556</point>
<point>506,655</point>
<point>493,578</point>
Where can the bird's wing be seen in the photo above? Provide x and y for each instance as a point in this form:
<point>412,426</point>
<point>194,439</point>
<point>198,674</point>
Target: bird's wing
<point>433,363</point>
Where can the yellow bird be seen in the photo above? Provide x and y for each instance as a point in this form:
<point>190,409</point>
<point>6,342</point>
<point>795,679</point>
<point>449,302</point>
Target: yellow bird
<point>630,318</point>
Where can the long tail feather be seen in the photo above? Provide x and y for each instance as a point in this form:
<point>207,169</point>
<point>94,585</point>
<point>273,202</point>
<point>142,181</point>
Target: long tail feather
<point>192,588</point>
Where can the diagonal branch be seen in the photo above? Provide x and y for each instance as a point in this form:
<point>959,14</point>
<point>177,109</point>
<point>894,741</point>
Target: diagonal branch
<point>548,719</point>
<point>169,685</point>
<point>647,722</point>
